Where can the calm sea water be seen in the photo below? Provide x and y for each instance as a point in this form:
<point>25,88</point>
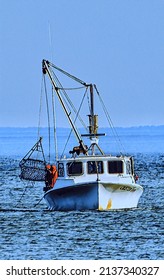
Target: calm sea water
<point>29,231</point>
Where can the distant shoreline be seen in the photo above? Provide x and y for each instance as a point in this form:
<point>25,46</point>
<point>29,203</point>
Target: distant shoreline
<point>117,127</point>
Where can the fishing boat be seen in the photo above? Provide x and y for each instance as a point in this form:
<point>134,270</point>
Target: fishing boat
<point>86,178</point>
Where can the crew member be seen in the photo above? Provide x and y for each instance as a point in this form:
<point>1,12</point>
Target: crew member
<point>54,175</point>
<point>51,176</point>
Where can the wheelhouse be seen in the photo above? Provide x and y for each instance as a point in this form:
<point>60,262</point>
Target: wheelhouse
<point>90,166</point>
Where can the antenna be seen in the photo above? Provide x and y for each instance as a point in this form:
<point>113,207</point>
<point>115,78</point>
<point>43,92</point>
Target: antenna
<point>53,97</point>
<point>50,41</point>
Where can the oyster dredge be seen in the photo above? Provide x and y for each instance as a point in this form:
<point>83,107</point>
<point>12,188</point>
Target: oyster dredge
<point>84,178</point>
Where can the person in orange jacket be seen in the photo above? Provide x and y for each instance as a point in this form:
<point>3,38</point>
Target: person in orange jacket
<point>54,175</point>
<point>51,175</point>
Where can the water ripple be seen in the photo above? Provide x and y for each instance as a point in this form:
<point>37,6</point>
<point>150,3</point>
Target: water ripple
<point>29,232</point>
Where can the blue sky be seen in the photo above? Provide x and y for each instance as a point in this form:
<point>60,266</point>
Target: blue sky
<point>116,44</point>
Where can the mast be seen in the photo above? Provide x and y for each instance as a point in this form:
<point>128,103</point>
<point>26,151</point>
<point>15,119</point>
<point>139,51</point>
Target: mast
<point>93,119</point>
<point>47,70</point>
<point>93,125</point>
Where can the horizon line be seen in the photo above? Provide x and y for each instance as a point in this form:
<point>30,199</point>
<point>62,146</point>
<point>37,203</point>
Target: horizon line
<point>102,127</point>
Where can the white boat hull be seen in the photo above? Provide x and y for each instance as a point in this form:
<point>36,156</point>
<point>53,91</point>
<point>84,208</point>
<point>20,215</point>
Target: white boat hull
<point>94,196</point>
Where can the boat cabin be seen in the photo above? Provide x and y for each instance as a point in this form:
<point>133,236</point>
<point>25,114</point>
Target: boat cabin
<point>102,166</point>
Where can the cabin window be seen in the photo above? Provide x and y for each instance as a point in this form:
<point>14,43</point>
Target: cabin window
<point>61,170</point>
<point>132,165</point>
<point>95,167</point>
<point>74,168</point>
<point>128,168</point>
<point>115,167</point>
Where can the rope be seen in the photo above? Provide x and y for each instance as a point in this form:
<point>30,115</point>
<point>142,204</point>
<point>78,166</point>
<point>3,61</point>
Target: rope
<point>70,106</point>
<point>75,122</point>
<point>48,118</point>
<point>33,149</point>
<point>39,201</point>
<point>40,108</point>
<point>74,88</point>
<point>21,197</point>
<point>67,100</point>
<point>54,123</point>
<point>67,74</point>
<point>117,139</point>
<point>23,193</point>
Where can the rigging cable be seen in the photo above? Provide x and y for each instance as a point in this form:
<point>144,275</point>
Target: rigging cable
<point>40,109</point>
<point>110,122</point>
<point>74,88</point>
<point>67,99</point>
<point>75,121</point>
<point>54,123</point>
<point>53,98</point>
<point>48,118</point>
<point>25,190</point>
<point>39,201</point>
<point>68,74</point>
